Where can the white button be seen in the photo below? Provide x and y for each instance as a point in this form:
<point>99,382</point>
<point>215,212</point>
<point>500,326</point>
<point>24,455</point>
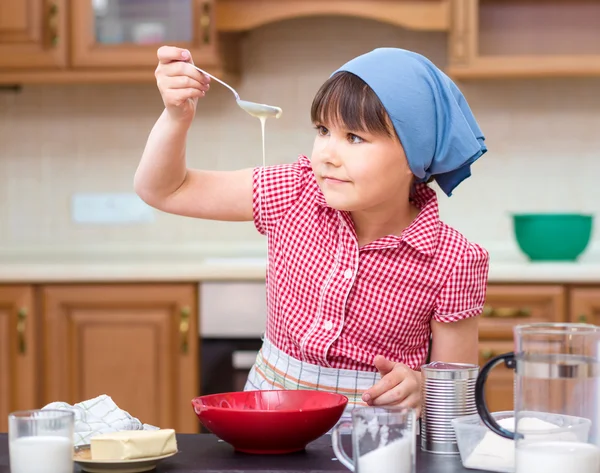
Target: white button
<point>328,325</point>
<point>348,274</point>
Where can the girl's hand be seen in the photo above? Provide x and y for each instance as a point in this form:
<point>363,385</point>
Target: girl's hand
<point>179,83</point>
<point>398,386</point>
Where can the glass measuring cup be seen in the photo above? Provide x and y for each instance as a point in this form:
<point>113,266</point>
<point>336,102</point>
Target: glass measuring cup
<point>383,440</point>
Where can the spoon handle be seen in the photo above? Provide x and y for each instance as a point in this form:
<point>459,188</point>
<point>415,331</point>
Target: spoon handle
<point>219,81</point>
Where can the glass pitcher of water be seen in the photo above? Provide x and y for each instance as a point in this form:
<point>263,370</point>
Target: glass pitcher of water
<point>556,399</point>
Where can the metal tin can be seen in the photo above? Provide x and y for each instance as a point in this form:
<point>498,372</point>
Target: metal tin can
<point>447,391</point>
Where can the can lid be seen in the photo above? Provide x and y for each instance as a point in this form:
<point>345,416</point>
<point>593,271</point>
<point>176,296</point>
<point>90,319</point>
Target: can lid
<point>443,370</point>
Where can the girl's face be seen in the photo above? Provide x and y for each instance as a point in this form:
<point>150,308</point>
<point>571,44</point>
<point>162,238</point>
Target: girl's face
<point>359,170</point>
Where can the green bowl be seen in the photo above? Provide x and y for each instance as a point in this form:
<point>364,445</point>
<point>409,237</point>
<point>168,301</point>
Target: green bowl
<point>552,237</point>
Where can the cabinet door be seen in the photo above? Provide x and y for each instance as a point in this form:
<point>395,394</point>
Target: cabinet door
<point>499,387</point>
<point>127,33</point>
<point>510,305</point>
<point>585,305</point>
<point>32,34</point>
<point>135,343</point>
<point>524,39</point>
<point>17,351</point>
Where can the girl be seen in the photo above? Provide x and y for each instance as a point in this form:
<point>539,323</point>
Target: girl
<point>363,278</point>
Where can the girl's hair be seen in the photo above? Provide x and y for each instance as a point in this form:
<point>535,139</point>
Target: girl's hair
<point>346,100</point>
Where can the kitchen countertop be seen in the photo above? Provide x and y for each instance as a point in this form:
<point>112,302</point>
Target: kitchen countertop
<point>203,453</point>
<point>232,263</point>
<point>253,269</point>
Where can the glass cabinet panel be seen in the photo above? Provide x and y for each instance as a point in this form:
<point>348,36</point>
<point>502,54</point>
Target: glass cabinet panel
<point>127,33</point>
<point>143,21</point>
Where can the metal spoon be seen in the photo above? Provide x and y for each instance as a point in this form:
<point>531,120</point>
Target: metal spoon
<point>258,110</point>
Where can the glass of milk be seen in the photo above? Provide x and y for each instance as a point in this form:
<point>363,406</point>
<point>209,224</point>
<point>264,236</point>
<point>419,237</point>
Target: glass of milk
<point>383,440</point>
<point>41,441</point>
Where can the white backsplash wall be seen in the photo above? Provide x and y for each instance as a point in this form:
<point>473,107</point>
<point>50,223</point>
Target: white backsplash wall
<point>58,140</point>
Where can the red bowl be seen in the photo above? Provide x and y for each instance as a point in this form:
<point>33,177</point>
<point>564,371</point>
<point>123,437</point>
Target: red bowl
<point>270,422</point>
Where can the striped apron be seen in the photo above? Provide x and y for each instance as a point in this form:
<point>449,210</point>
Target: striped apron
<point>273,369</point>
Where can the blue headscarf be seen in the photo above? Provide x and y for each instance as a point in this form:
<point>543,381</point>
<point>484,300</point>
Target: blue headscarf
<point>430,114</point>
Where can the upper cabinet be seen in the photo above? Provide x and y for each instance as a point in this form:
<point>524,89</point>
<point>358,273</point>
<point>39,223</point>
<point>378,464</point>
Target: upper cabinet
<point>116,40</point>
<point>32,34</point>
<point>101,40</point>
<point>127,33</point>
<point>425,15</point>
<point>50,41</point>
<point>524,38</point>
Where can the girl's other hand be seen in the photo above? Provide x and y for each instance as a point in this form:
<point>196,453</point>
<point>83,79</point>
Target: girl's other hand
<point>398,386</point>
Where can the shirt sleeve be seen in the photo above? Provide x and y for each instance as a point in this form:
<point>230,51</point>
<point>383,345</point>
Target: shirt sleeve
<point>276,189</point>
<point>463,295</point>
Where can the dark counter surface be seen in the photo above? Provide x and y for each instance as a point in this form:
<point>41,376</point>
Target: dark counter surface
<point>204,453</point>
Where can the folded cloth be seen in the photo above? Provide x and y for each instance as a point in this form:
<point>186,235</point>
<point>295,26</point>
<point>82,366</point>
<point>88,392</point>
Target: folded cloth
<point>97,416</point>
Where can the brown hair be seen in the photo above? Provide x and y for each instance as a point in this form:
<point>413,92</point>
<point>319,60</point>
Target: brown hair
<point>346,100</point>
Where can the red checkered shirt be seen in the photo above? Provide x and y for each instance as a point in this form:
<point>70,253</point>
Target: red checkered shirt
<point>333,304</point>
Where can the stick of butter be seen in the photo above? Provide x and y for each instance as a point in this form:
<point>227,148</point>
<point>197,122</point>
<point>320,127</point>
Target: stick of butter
<point>131,444</point>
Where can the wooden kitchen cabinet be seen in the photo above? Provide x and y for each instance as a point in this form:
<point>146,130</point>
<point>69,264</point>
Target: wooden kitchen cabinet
<point>585,305</point>
<point>510,305</point>
<point>524,38</point>
<point>102,41</point>
<point>136,343</point>
<point>506,306</point>
<point>499,387</point>
<point>243,15</point>
<point>126,34</point>
<point>18,351</point>
<point>32,34</point>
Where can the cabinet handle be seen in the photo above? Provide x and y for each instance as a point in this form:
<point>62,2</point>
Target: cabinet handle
<point>505,312</point>
<point>184,328</point>
<point>53,23</point>
<point>21,325</point>
<point>205,23</point>
<point>487,354</point>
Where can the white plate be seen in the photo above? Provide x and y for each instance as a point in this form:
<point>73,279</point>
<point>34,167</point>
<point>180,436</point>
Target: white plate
<point>138,465</point>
